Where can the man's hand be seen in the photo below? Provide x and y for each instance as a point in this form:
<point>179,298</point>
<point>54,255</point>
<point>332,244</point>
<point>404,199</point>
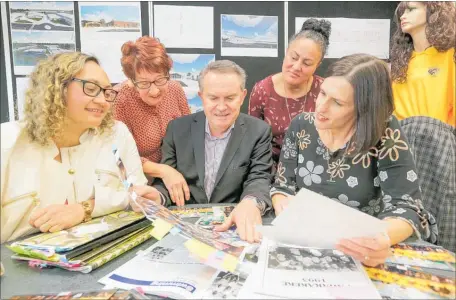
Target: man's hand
<point>56,217</point>
<point>147,193</point>
<point>371,251</point>
<point>245,216</point>
<point>176,185</point>
<point>279,202</point>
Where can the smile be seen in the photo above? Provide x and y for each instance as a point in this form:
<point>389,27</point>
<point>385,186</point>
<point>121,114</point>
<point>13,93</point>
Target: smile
<point>95,110</point>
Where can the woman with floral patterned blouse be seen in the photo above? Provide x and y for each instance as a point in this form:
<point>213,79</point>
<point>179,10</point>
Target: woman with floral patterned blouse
<point>352,150</point>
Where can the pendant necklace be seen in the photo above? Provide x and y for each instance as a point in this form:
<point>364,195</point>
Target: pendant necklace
<point>286,99</point>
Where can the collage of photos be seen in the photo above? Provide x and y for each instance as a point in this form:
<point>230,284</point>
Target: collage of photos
<point>309,259</point>
<point>247,35</point>
<point>186,70</point>
<point>105,27</point>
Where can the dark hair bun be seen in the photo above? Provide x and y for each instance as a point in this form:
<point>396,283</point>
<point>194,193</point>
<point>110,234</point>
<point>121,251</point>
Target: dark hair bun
<point>321,26</point>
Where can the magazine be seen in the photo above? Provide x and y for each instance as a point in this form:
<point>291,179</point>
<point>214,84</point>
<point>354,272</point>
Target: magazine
<point>78,235</point>
<point>185,276</point>
<point>108,294</point>
<point>425,256</point>
<point>404,279</point>
<point>296,272</point>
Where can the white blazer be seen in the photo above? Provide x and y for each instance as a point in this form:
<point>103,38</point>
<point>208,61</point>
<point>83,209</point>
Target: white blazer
<point>31,178</point>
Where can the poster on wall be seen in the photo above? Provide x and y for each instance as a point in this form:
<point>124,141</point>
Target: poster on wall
<point>105,27</point>
<point>21,87</point>
<point>186,70</point>
<point>184,26</point>
<point>39,30</point>
<point>348,36</point>
<point>247,35</point>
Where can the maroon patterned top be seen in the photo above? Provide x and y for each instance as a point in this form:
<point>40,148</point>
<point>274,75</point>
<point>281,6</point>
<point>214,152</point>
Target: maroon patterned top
<point>269,106</point>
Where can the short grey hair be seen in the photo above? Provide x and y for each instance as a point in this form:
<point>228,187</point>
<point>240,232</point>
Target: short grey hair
<point>222,66</point>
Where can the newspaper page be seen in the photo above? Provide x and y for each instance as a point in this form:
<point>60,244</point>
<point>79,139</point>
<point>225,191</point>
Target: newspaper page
<point>297,272</point>
<point>165,269</point>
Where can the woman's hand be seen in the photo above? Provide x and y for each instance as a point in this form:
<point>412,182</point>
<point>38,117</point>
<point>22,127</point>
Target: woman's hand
<point>56,217</point>
<point>146,193</point>
<point>176,185</point>
<point>371,251</point>
<point>279,202</point>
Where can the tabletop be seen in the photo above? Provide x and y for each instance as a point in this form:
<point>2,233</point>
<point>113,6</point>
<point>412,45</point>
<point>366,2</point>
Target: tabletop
<point>20,279</point>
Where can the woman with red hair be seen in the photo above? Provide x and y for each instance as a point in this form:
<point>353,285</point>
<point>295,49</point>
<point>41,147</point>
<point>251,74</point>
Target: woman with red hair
<point>146,103</point>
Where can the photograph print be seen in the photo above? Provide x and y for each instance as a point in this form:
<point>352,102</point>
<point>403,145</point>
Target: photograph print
<point>309,259</point>
<point>40,30</point>
<point>52,16</point>
<point>225,286</point>
<point>247,35</point>
<point>186,70</point>
<point>105,27</point>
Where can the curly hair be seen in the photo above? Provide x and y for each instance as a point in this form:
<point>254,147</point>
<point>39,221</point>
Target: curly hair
<point>45,105</point>
<point>440,32</point>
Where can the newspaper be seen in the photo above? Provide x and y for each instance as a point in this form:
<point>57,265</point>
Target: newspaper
<point>302,272</point>
<point>164,269</point>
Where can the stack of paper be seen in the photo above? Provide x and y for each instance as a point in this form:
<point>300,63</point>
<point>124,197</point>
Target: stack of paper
<point>86,246</point>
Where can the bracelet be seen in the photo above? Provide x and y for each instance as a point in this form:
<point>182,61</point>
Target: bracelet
<point>87,211</point>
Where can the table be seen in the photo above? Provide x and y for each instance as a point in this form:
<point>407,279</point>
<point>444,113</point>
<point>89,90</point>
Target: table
<point>19,278</point>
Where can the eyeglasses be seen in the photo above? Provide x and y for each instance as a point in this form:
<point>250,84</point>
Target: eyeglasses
<point>143,85</point>
<point>93,90</point>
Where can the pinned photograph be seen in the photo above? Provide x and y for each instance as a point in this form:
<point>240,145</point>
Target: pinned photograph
<point>247,35</point>
<point>37,15</point>
<point>105,27</point>
<point>186,70</point>
<point>40,30</point>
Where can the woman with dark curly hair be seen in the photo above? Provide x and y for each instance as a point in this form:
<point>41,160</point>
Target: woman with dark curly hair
<point>423,73</point>
<point>423,61</point>
<point>57,164</point>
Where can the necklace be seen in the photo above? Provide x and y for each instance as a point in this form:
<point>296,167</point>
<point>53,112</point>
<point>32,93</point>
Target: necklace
<point>286,99</point>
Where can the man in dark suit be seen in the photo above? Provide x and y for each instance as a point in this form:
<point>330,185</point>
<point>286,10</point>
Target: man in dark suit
<point>225,156</point>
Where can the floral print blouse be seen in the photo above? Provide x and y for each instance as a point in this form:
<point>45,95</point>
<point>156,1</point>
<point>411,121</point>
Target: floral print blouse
<point>381,182</point>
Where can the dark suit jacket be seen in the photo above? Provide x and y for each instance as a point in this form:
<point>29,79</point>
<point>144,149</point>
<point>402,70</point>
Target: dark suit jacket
<point>245,168</point>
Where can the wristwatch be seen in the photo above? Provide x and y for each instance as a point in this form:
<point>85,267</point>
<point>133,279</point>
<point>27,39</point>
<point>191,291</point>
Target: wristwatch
<point>87,210</point>
<point>259,204</point>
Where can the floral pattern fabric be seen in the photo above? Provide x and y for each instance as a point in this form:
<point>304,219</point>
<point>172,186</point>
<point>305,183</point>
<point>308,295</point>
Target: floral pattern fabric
<point>269,106</point>
<point>381,182</point>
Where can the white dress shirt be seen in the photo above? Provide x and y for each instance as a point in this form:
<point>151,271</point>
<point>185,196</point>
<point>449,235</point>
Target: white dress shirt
<point>31,178</point>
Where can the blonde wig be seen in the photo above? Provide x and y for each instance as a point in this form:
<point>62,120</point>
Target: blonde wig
<point>45,103</point>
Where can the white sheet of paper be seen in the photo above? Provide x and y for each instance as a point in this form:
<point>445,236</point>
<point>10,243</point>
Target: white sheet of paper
<point>314,220</point>
<point>184,26</point>
<point>349,36</point>
<point>21,87</point>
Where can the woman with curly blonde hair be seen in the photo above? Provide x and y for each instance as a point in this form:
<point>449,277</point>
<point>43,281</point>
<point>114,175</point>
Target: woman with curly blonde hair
<point>57,164</point>
<point>424,87</point>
